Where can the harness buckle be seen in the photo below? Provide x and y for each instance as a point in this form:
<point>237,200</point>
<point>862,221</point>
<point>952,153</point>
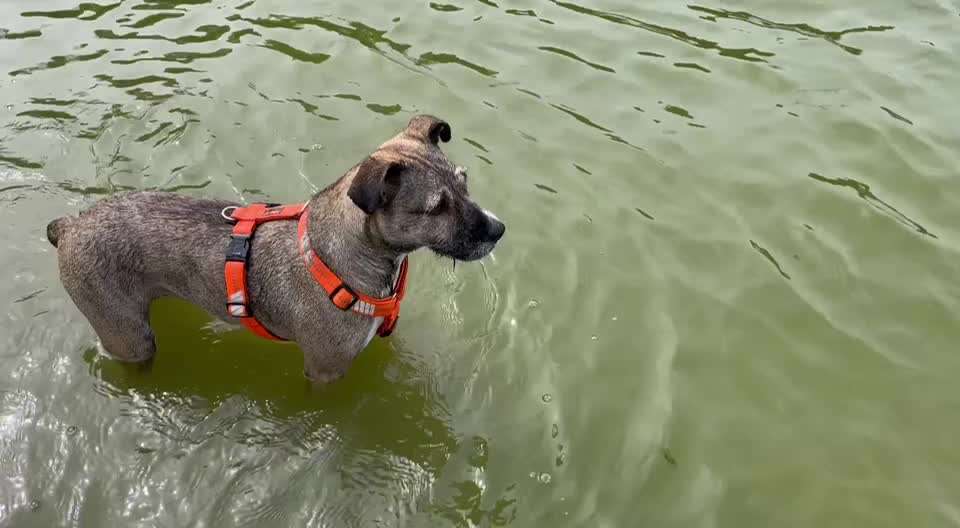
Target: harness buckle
<point>238,250</point>
<point>337,297</point>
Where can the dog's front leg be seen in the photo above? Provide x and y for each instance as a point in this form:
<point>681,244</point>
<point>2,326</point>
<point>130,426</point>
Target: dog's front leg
<point>325,360</point>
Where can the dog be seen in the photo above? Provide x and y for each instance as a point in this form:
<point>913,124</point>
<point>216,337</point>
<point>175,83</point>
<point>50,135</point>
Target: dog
<point>129,249</point>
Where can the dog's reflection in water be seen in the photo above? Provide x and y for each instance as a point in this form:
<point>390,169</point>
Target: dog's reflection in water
<point>226,398</point>
<point>383,404</point>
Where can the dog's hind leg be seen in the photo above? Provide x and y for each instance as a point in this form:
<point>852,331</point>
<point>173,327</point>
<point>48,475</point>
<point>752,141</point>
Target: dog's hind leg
<point>105,280</point>
<point>124,330</point>
<point>119,316</point>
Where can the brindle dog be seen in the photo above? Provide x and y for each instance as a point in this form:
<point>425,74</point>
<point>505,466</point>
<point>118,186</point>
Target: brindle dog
<point>129,249</point>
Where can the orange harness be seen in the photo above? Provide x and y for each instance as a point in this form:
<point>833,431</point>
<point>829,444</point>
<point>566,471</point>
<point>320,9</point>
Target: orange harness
<point>246,220</point>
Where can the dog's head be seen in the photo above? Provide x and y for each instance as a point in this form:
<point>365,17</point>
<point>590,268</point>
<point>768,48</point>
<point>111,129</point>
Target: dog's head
<point>417,198</point>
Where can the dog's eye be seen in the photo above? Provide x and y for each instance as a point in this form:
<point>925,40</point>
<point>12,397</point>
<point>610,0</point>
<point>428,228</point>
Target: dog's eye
<point>441,206</point>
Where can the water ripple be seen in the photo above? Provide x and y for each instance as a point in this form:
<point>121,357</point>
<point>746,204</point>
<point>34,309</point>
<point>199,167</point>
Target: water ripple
<point>864,192</point>
<point>59,61</point>
<point>896,116</point>
<point>11,35</point>
<point>294,53</point>
<point>155,18</point>
<point>444,7</point>
<point>574,56</point>
<point>182,57</point>
<point>84,11</point>
<point>621,347</point>
<point>431,58</point>
<point>744,54</point>
<point>766,254</point>
<point>833,37</point>
<point>208,33</point>
<point>361,33</point>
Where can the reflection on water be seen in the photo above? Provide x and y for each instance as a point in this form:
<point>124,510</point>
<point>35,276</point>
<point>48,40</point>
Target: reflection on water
<point>382,427</point>
<point>864,192</point>
<point>746,54</point>
<point>766,254</point>
<point>58,61</point>
<point>411,422</point>
<point>832,37</point>
<point>577,58</point>
<point>85,11</point>
<point>682,329</point>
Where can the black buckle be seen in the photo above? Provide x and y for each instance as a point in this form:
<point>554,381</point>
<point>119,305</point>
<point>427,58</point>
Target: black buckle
<point>346,288</point>
<point>238,250</point>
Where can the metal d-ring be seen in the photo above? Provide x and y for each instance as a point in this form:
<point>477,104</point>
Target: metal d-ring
<point>229,217</point>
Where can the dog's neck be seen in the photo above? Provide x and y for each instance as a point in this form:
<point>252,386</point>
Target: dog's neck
<point>343,238</point>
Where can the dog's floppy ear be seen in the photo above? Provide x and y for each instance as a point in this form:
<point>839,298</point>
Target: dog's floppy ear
<point>429,128</point>
<point>375,184</point>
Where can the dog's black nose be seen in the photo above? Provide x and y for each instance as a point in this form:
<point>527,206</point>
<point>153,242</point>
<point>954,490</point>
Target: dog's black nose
<point>496,230</point>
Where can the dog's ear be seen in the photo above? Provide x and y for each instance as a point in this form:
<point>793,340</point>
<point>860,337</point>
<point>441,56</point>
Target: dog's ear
<point>429,128</point>
<point>375,184</point>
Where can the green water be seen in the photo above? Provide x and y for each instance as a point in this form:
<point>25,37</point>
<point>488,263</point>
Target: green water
<point>727,296</point>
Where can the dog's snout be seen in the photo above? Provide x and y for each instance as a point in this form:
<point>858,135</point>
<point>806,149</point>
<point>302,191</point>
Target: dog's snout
<point>479,232</point>
<point>495,228</point>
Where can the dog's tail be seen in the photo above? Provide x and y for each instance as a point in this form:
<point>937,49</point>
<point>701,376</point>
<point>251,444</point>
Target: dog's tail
<point>55,230</point>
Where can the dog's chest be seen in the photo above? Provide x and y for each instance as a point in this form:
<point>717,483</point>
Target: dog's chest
<point>374,325</point>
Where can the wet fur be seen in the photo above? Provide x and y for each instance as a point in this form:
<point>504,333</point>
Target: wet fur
<point>129,249</point>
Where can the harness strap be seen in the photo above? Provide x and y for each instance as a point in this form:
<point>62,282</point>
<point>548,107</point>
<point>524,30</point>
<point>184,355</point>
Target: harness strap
<point>345,298</point>
<point>238,253</point>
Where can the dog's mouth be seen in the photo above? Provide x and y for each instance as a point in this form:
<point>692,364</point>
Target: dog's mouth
<point>466,253</point>
<point>475,238</point>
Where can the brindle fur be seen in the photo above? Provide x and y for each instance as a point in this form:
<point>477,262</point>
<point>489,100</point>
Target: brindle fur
<point>129,249</point>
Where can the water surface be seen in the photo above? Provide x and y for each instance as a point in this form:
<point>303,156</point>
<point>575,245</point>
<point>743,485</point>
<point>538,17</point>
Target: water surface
<point>728,294</point>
